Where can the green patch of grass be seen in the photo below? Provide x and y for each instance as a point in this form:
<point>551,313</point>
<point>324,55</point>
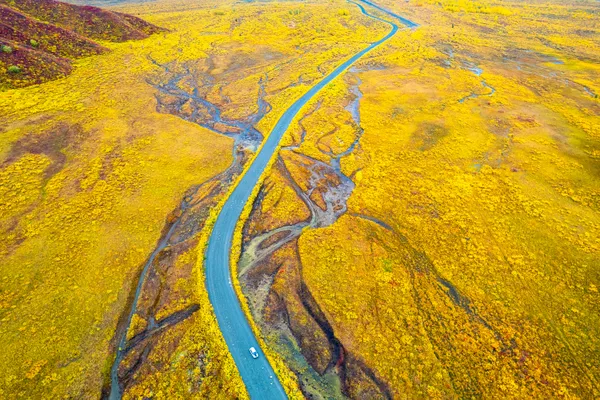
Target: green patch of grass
<point>14,69</point>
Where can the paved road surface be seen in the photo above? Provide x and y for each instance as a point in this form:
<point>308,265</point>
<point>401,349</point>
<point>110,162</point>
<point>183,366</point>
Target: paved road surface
<point>257,374</point>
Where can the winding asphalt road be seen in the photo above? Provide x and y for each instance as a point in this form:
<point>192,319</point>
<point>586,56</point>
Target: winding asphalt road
<point>257,374</point>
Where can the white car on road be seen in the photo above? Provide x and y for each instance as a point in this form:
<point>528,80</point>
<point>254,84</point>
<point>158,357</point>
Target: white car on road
<point>253,352</point>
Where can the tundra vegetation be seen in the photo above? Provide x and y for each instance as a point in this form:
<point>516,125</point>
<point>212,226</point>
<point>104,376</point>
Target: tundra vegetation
<point>428,229</point>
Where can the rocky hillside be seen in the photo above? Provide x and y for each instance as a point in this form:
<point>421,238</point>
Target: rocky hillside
<point>38,39</point>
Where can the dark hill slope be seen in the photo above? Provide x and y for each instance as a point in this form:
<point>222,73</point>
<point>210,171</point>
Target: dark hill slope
<point>22,29</point>
<point>38,39</point>
<point>88,21</point>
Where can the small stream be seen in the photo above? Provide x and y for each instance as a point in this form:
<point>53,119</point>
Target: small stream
<point>191,105</point>
<point>194,107</point>
<point>477,72</point>
<point>334,186</point>
<point>469,66</point>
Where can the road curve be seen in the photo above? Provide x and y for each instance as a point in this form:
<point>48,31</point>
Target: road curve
<point>257,374</point>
